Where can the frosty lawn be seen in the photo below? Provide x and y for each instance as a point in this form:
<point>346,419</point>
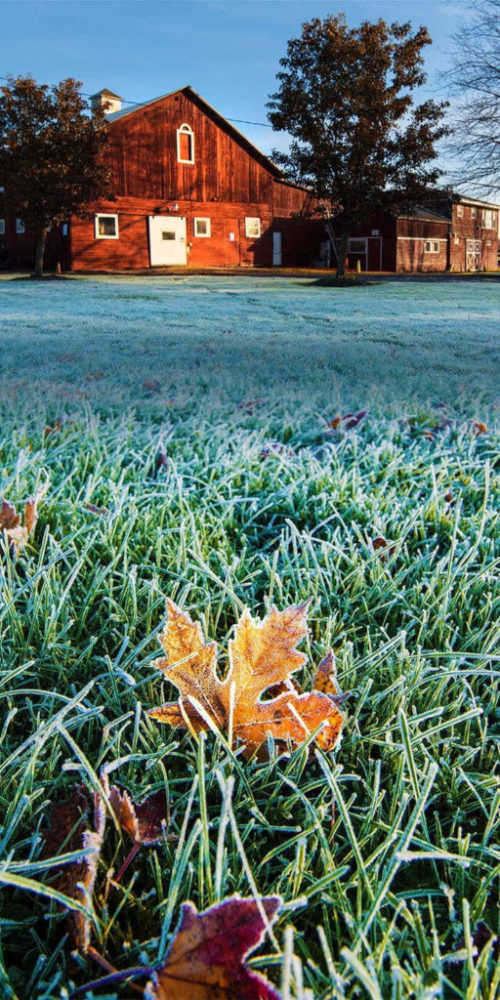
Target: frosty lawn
<point>385,851</point>
<point>234,338</point>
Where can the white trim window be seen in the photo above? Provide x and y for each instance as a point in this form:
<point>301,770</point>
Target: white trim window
<point>185,144</point>
<point>431,246</point>
<point>473,213</point>
<point>489,218</point>
<point>202,227</point>
<point>2,227</point>
<point>106,226</point>
<point>460,211</point>
<point>20,227</point>
<point>252,227</point>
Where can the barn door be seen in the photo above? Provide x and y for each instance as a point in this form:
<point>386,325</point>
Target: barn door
<point>473,255</point>
<point>167,240</point>
<point>277,247</point>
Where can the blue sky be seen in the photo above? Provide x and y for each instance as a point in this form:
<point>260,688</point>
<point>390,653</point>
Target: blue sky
<point>228,51</point>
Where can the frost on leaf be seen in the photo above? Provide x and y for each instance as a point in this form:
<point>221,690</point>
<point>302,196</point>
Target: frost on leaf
<point>69,830</point>
<point>143,821</point>
<point>18,530</point>
<point>206,958</point>
<point>261,656</point>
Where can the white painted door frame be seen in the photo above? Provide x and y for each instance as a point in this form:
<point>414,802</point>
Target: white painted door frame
<point>167,240</point>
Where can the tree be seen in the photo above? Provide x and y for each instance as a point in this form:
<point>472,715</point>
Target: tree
<point>51,162</point>
<point>359,141</point>
<point>475,80</point>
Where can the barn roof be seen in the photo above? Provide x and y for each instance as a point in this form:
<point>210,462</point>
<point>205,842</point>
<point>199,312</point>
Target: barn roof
<point>216,117</point>
<point>423,215</point>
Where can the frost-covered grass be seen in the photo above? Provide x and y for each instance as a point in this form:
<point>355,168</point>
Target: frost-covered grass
<point>230,339</point>
<point>391,844</point>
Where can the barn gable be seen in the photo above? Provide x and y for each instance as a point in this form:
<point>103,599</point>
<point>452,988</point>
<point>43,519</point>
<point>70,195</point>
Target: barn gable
<point>177,146</point>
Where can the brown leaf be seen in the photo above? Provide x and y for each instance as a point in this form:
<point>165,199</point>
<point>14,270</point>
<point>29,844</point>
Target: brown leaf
<point>206,958</point>
<point>482,934</point>
<point>261,655</point>
<point>53,428</point>
<point>100,511</point>
<point>18,532</point>
<point>479,427</point>
<point>68,830</point>
<point>143,821</point>
<point>383,547</point>
<point>348,420</point>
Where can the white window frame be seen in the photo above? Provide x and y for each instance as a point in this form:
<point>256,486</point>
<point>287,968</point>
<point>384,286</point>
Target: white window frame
<point>185,129</point>
<point>20,227</point>
<point>2,227</point>
<point>460,211</point>
<point>105,236</point>
<point>473,213</point>
<point>431,246</point>
<point>200,218</point>
<point>489,218</point>
<point>252,227</point>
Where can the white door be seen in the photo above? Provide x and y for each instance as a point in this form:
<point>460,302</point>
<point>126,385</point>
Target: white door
<point>277,244</point>
<point>167,240</point>
<point>473,258</point>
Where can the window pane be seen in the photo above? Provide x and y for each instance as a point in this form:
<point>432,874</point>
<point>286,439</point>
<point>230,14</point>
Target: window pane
<point>357,246</point>
<point>107,226</point>
<point>185,146</point>
<point>167,235</point>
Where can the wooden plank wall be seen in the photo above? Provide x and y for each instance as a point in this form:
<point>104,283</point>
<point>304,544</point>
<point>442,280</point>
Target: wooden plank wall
<point>142,154</point>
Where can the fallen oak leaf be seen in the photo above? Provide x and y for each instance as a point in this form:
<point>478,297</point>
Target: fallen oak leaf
<point>479,427</point>
<point>68,830</point>
<point>206,957</point>
<point>261,655</point>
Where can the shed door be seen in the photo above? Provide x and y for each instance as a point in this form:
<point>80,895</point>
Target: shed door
<point>473,255</point>
<point>277,245</point>
<point>167,240</point>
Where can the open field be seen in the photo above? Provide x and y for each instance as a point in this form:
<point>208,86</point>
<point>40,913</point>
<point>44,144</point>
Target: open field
<point>386,852</point>
<point>231,339</point>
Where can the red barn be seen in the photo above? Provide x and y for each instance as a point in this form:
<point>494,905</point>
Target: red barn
<point>189,190</point>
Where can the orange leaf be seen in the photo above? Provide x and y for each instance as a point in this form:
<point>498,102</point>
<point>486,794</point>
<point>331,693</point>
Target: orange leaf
<point>261,656</point>
<point>479,427</point>
<point>68,830</point>
<point>206,958</point>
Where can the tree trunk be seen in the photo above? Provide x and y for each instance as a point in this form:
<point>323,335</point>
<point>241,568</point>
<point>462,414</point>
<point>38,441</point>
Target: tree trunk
<point>342,245</point>
<point>41,238</point>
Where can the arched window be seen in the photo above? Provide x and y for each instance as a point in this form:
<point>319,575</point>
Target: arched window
<point>185,144</point>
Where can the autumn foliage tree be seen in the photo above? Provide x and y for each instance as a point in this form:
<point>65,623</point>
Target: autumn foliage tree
<point>359,141</point>
<point>51,155</point>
